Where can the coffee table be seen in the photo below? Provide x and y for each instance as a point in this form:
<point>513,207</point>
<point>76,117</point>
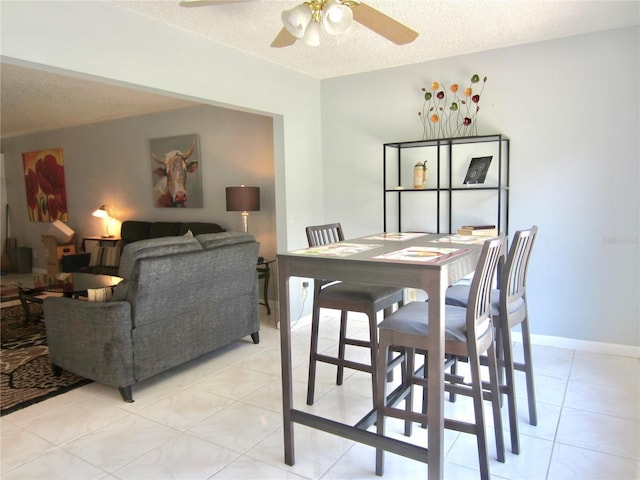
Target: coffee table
<point>69,284</point>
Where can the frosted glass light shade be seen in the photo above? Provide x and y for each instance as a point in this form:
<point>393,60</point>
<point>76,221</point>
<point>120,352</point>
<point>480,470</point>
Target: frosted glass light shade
<point>312,35</point>
<point>337,18</point>
<point>296,20</point>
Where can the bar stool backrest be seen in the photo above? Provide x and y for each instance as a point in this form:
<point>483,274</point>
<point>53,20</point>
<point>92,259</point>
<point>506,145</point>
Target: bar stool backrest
<point>324,234</point>
<point>479,322</point>
<point>514,274</point>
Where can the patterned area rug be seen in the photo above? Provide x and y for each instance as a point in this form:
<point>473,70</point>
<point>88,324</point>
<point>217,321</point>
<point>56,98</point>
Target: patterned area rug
<point>25,367</point>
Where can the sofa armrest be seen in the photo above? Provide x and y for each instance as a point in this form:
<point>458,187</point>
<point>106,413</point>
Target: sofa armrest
<point>92,340</point>
<point>74,262</point>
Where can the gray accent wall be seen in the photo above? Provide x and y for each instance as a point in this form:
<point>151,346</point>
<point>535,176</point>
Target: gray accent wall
<point>110,163</point>
<point>571,109</point>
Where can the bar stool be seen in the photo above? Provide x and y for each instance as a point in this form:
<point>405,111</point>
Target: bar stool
<point>346,297</point>
<point>468,333</point>
<point>509,309</point>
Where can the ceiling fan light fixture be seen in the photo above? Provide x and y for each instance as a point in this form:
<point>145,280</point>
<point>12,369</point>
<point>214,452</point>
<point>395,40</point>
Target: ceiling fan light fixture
<point>337,17</point>
<point>312,34</point>
<point>297,20</point>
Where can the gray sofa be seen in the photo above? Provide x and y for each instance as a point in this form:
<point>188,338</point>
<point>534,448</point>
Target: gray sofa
<point>181,297</point>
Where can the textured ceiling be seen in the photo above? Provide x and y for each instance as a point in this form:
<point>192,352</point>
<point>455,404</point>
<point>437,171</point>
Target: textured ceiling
<point>34,100</point>
<point>447,28</point>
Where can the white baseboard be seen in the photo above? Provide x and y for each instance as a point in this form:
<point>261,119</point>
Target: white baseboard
<point>581,345</point>
<point>545,340</point>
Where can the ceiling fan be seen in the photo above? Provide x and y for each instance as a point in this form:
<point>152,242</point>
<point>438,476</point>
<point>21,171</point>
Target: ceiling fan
<point>305,21</point>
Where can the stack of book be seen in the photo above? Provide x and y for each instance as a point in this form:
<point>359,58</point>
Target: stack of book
<point>479,230</point>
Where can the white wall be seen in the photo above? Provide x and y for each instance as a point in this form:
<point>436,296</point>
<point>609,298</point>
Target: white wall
<point>104,42</point>
<point>571,109</point>
<point>110,163</point>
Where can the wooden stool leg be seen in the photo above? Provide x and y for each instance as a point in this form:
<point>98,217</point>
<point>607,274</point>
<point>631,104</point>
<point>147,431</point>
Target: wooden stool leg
<point>408,380</point>
<point>495,401</point>
<point>381,399</point>
<point>481,436</point>
<point>313,352</point>
<point>341,347</point>
<point>373,353</point>
<point>528,371</point>
<point>507,354</point>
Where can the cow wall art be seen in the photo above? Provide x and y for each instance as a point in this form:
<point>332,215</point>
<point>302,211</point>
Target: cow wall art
<point>177,178</point>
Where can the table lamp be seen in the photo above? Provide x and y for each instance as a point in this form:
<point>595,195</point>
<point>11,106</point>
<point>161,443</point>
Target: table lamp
<point>243,199</point>
<point>107,212</point>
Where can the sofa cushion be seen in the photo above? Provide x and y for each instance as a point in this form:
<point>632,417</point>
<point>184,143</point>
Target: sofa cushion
<point>215,240</point>
<point>111,256</point>
<point>164,229</point>
<point>96,257</point>
<point>199,228</point>
<point>153,247</point>
<point>105,257</point>
<point>99,294</point>
<point>134,231</point>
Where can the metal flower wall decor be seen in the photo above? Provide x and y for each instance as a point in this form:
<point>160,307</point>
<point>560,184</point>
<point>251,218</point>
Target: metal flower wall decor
<point>451,112</point>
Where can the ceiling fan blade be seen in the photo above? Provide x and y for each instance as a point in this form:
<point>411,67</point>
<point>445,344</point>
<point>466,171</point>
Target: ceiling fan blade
<point>283,39</point>
<point>204,3</point>
<point>383,25</point>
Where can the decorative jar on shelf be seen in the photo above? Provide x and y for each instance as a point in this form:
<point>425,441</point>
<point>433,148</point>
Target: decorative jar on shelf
<point>420,175</point>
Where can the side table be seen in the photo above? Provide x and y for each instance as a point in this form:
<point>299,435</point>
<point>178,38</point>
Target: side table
<point>264,271</point>
<point>100,241</point>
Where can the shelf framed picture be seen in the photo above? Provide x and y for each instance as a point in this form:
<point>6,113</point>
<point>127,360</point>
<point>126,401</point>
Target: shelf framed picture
<point>477,171</point>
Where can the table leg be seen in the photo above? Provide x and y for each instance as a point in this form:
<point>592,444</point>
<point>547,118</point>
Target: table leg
<point>435,392</point>
<point>285,353</point>
<point>27,296</point>
<point>25,306</point>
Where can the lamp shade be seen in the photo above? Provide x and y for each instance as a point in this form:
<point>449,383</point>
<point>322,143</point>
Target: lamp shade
<point>108,213</point>
<point>337,18</point>
<point>243,199</point>
<point>105,211</point>
<point>296,20</point>
<point>312,34</point>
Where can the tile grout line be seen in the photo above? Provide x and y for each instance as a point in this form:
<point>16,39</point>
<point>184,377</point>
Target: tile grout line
<point>564,396</point>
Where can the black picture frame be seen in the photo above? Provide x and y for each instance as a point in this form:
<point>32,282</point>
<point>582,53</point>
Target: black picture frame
<point>477,171</point>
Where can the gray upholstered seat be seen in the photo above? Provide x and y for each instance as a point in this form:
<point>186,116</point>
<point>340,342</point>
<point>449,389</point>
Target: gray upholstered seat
<point>410,319</point>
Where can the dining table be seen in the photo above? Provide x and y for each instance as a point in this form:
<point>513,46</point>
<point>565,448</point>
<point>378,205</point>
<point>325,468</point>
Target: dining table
<point>425,261</point>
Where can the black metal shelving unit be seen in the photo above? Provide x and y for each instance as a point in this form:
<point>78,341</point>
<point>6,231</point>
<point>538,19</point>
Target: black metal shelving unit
<point>451,157</point>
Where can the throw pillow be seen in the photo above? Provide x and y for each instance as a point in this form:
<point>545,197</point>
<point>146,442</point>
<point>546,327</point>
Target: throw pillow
<point>99,294</point>
<point>111,256</point>
<point>96,257</point>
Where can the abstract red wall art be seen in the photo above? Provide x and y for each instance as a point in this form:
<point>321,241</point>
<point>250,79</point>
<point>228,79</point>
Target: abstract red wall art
<point>46,190</point>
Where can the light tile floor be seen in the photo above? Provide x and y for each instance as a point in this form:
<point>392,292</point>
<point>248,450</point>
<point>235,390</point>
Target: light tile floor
<point>219,417</point>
